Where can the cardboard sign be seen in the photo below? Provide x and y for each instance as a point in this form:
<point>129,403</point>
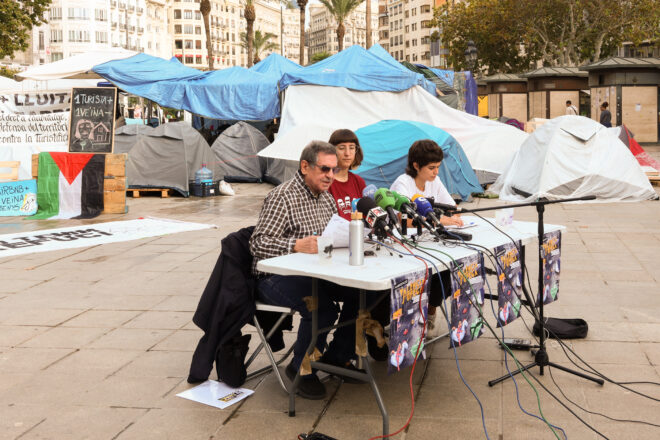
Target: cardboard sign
<point>18,198</point>
<point>92,120</point>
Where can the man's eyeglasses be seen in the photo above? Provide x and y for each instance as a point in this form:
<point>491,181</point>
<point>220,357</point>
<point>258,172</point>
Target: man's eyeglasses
<point>326,169</point>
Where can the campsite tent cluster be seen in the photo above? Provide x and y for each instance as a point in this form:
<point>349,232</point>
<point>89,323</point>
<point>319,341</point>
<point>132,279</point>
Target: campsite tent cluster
<point>388,105</point>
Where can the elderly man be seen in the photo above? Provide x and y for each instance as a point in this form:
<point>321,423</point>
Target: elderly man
<point>293,215</point>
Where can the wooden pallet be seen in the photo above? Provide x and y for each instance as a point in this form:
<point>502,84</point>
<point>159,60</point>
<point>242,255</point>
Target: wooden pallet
<point>655,180</point>
<point>114,182</point>
<point>164,192</point>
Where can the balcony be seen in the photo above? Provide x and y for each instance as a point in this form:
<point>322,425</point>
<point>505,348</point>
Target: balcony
<point>140,30</point>
<point>122,26</point>
<point>113,25</point>
<point>131,28</point>
<point>140,10</point>
<point>122,5</point>
<point>131,8</point>
<point>113,4</point>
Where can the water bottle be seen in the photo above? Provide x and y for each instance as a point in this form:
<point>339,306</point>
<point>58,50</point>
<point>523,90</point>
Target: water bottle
<point>203,175</point>
<point>356,240</point>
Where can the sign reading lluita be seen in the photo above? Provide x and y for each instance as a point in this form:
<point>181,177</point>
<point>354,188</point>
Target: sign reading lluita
<point>92,119</point>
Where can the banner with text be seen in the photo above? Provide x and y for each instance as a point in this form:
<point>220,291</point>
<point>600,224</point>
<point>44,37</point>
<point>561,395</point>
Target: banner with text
<point>551,254</point>
<point>408,308</point>
<point>18,198</point>
<point>35,102</point>
<point>509,283</point>
<point>467,283</point>
<point>21,136</point>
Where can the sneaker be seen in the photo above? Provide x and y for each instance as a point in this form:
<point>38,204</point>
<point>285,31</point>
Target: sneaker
<point>309,387</point>
<point>348,366</point>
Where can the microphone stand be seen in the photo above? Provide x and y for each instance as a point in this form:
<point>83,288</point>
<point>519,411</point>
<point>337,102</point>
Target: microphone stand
<point>541,358</point>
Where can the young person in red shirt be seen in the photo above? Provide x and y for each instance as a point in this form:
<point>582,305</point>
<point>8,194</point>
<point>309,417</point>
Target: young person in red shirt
<point>347,186</point>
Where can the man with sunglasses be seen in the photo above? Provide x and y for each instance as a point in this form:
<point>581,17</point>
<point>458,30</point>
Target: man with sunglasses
<point>293,216</point>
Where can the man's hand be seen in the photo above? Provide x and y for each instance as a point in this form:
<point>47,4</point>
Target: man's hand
<point>307,245</point>
<point>454,220</point>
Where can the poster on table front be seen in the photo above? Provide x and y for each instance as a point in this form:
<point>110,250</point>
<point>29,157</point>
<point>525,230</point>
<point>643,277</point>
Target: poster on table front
<point>408,310</point>
<point>467,283</point>
<point>551,255</point>
<point>509,283</point>
<point>92,120</point>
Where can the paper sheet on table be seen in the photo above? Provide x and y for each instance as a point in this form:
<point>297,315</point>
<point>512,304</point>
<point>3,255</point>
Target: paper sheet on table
<point>337,229</point>
<point>217,394</point>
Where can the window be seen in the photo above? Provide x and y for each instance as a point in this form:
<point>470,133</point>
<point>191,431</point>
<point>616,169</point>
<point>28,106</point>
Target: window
<point>189,44</point>
<point>101,37</point>
<point>188,29</point>
<point>148,44</point>
<point>198,44</point>
<point>178,44</point>
<point>407,44</point>
<point>198,15</point>
<point>177,28</point>
<point>101,14</point>
<point>198,30</point>
<point>424,8</point>
<point>56,35</point>
<point>407,14</point>
<point>55,14</point>
<point>78,14</point>
<point>413,27</point>
<point>413,11</point>
<point>425,24</point>
<point>187,14</point>
<point>177,14</point>
<point>198,60</point>
<point>79,36</point>
<point>56,56</point>
<point>414,42</point>
<point>189,59</point>
<point>407,28</point>
<point>41,41</point>
<point>157,46</point>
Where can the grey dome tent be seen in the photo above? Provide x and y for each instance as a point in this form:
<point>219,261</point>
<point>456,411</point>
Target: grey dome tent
<point>236,157</point>
<point>163,157</point>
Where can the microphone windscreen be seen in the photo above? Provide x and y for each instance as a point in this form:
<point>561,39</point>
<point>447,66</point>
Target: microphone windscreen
<point>384,198</point>
<point>423,206</point>
<point>399,200</point>
<point>369,191</point>
<point>364,205</point>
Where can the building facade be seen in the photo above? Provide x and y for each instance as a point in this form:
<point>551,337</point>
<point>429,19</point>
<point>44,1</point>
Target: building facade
<point>323,29</point>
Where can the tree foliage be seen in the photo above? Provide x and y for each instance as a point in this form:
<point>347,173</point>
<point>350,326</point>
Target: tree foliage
<point>260,42</point>
<point>513,35</point>
<point>16,21</point>
<point>319,56</point>
<point>340,10</point>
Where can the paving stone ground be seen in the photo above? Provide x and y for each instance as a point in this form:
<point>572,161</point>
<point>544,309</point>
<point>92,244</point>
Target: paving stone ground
<point>96,342</point>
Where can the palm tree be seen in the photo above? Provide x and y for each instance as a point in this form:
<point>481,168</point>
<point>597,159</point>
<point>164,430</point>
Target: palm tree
<point>261,42</point>
<point>250,16</point>
<point>340,9</point>
<point>368,14</point>
<point>205,9</point>
<point>302,4</point>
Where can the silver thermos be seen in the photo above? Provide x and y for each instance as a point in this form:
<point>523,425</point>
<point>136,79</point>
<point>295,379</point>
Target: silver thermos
<point>356,240</point>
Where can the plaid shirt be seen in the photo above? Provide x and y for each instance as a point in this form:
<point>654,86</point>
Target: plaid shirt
<point>291,211</point>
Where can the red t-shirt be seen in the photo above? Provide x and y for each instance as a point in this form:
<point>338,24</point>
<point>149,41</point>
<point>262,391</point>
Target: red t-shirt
<point>345,192</point>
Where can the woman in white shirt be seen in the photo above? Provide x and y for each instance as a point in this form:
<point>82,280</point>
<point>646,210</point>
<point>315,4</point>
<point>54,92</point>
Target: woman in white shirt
<point>421,177</point>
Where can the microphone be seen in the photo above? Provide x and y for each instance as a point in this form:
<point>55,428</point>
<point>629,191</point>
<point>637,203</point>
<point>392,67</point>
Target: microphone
<point>403,204</point>
<point>425,209</point>
<point>373,216</point>
<point>369,191</point>
<point>447,208</point>
<point>385,199</point>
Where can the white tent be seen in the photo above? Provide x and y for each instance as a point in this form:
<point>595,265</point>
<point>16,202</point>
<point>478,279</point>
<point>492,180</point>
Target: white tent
<point>75,67</point>
<point>8,85</point>
<point>310,112</point>
<point>574,156</point>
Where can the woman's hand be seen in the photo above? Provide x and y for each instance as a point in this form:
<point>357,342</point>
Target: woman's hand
<point>454,220</point>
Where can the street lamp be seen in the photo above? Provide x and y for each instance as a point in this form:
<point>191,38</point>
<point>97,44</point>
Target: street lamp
<point>471,56</point>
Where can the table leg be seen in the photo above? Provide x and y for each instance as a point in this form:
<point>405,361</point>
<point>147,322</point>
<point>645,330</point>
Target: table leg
<point>372,382</point>
<point>310,349</point>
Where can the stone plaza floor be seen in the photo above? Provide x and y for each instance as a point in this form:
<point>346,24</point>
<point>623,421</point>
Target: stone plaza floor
<point>96,342</point>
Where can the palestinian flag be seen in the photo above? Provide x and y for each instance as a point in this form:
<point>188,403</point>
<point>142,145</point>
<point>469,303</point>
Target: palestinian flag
<point>70,185</point>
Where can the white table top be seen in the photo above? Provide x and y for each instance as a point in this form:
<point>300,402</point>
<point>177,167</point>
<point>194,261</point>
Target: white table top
<point>377,271</point>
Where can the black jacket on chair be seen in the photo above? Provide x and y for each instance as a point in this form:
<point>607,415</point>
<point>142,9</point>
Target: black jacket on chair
<point>227,304</point>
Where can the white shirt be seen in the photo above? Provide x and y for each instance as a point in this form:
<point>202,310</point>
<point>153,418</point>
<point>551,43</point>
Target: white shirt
<point>571,110</point>
<point>405,185</point>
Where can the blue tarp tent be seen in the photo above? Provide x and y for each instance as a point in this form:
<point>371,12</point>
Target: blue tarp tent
<point>231,94</point>
<point>275,65</point>
<point>386,143</point>
<point>357,69</point>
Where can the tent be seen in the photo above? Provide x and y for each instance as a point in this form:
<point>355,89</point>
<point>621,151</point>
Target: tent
<point>645,160</point>
<point>489,145</point>
<point>385,146</point>
<point>275,65</point>
<point>574,156</point>
<point>357,69</point>
<point>235,93</point>
<point>163,157</point>
<point>236,156</point>
<point>74,67</point>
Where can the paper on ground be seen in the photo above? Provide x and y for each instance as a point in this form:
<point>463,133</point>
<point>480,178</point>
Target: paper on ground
<point>217,394</point>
